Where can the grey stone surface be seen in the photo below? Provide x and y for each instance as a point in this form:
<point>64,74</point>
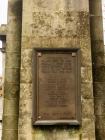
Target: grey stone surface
<point>99,73</point>
<point>13,61</point>
<point>53,24</point>
<point>9,134</point>
<point>96,27</point>
<point>99,106</point>
<point>12,71</point>
<point>95,7</point>
<point>98,65</point>
<point>12,104</point>
<point>12,75</point>
<point>99,89</point>
<point>11,90</point>
<point>86,90</point>
<point>56,25</point>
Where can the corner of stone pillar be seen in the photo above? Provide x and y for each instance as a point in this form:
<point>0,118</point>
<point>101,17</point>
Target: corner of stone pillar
<point>98,61</point>
<point>12,71</point>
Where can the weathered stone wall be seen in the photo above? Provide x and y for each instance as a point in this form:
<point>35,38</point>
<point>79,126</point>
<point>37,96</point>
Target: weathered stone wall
<point>56,23</point>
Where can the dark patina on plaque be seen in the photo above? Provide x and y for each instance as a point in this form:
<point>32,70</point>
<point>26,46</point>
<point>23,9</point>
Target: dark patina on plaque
<point>56,86</point>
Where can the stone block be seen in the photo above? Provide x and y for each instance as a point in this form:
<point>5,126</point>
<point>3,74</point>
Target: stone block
<point>100,134</point>
<point>99,73</point>
<point>85,43</point>
<point>100,122</point>
<point>12,36</point>
<point>25,137</point>
<point>98,59</point>
<point>27,42</point>
<point>55,42</point>
<point>56,24</point>
<point>13,45</point>
<point>10,122</point>
<point>87,90</point>
<point>11,90</point>
<point>13,60</point>
<point>27,11</point>
<point>14,27</point>
<point>96,27</point>
<point>25,125</point>
<point>54,5</point>
<point>26,58</point>
<point>27,28</point>
<point>25,91</point>
<point>25,106</point>
<point>26,75</point>
<point>83,29</point>
<point>95,7</point>
<point>99,106</point>
<point>65,136</point>
<point>97,46</point>
<point>99,89</point>
<point>60,24</point>
<point>10,134</point>
<point>11,107</point>
<point>88,125</point>
<point>86,74</point>
<point>12,75</point>
<point>15,8</point>
<point>85,56</point>
<point>54,134</point>
<point>90,135</point>
<point>87,108</point>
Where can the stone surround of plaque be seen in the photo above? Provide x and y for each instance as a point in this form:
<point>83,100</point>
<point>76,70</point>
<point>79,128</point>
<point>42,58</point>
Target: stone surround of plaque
<point>56,86</point>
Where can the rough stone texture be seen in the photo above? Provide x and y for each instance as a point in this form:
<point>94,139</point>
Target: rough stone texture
<point>86,90</point>
<point>100,134</point>
<point>26,91</point>
<point>12,104</point>
<point>95,7</point>
<point>99,106</point>
<point>53,24</point>
<point>11,90</point>
<point>99,89</point>
<point>56,24</point>
<point>9,134</point>
<point>61,5</point>
<point>12,72</point>
<point>87,108</point>
<point>100,124</point>
<point>15,57</point>
<point>98,66</point>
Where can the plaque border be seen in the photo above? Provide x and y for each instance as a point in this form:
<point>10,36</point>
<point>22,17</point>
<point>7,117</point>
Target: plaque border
<point>77,121</point>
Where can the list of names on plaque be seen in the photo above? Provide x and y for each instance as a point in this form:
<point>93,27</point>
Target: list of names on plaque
<point>56,86</point>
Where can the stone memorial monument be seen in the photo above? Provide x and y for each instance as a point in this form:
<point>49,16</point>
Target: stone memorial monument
<point>55,71</point>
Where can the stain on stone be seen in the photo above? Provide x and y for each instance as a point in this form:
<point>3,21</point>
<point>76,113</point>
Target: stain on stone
<point>11,91</point>
<point>99,73</point>
<point>83,28</point>
<point>69,17</point>
<point>56,24</point>
<point>16,7</point>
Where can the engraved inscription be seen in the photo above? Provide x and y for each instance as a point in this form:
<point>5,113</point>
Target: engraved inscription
<point>56,65</point>
<point>57,92</point>
<point>56,86</point>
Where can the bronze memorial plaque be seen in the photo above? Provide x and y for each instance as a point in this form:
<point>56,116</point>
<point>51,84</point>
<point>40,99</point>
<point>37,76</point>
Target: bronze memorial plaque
<point>56,87</point>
